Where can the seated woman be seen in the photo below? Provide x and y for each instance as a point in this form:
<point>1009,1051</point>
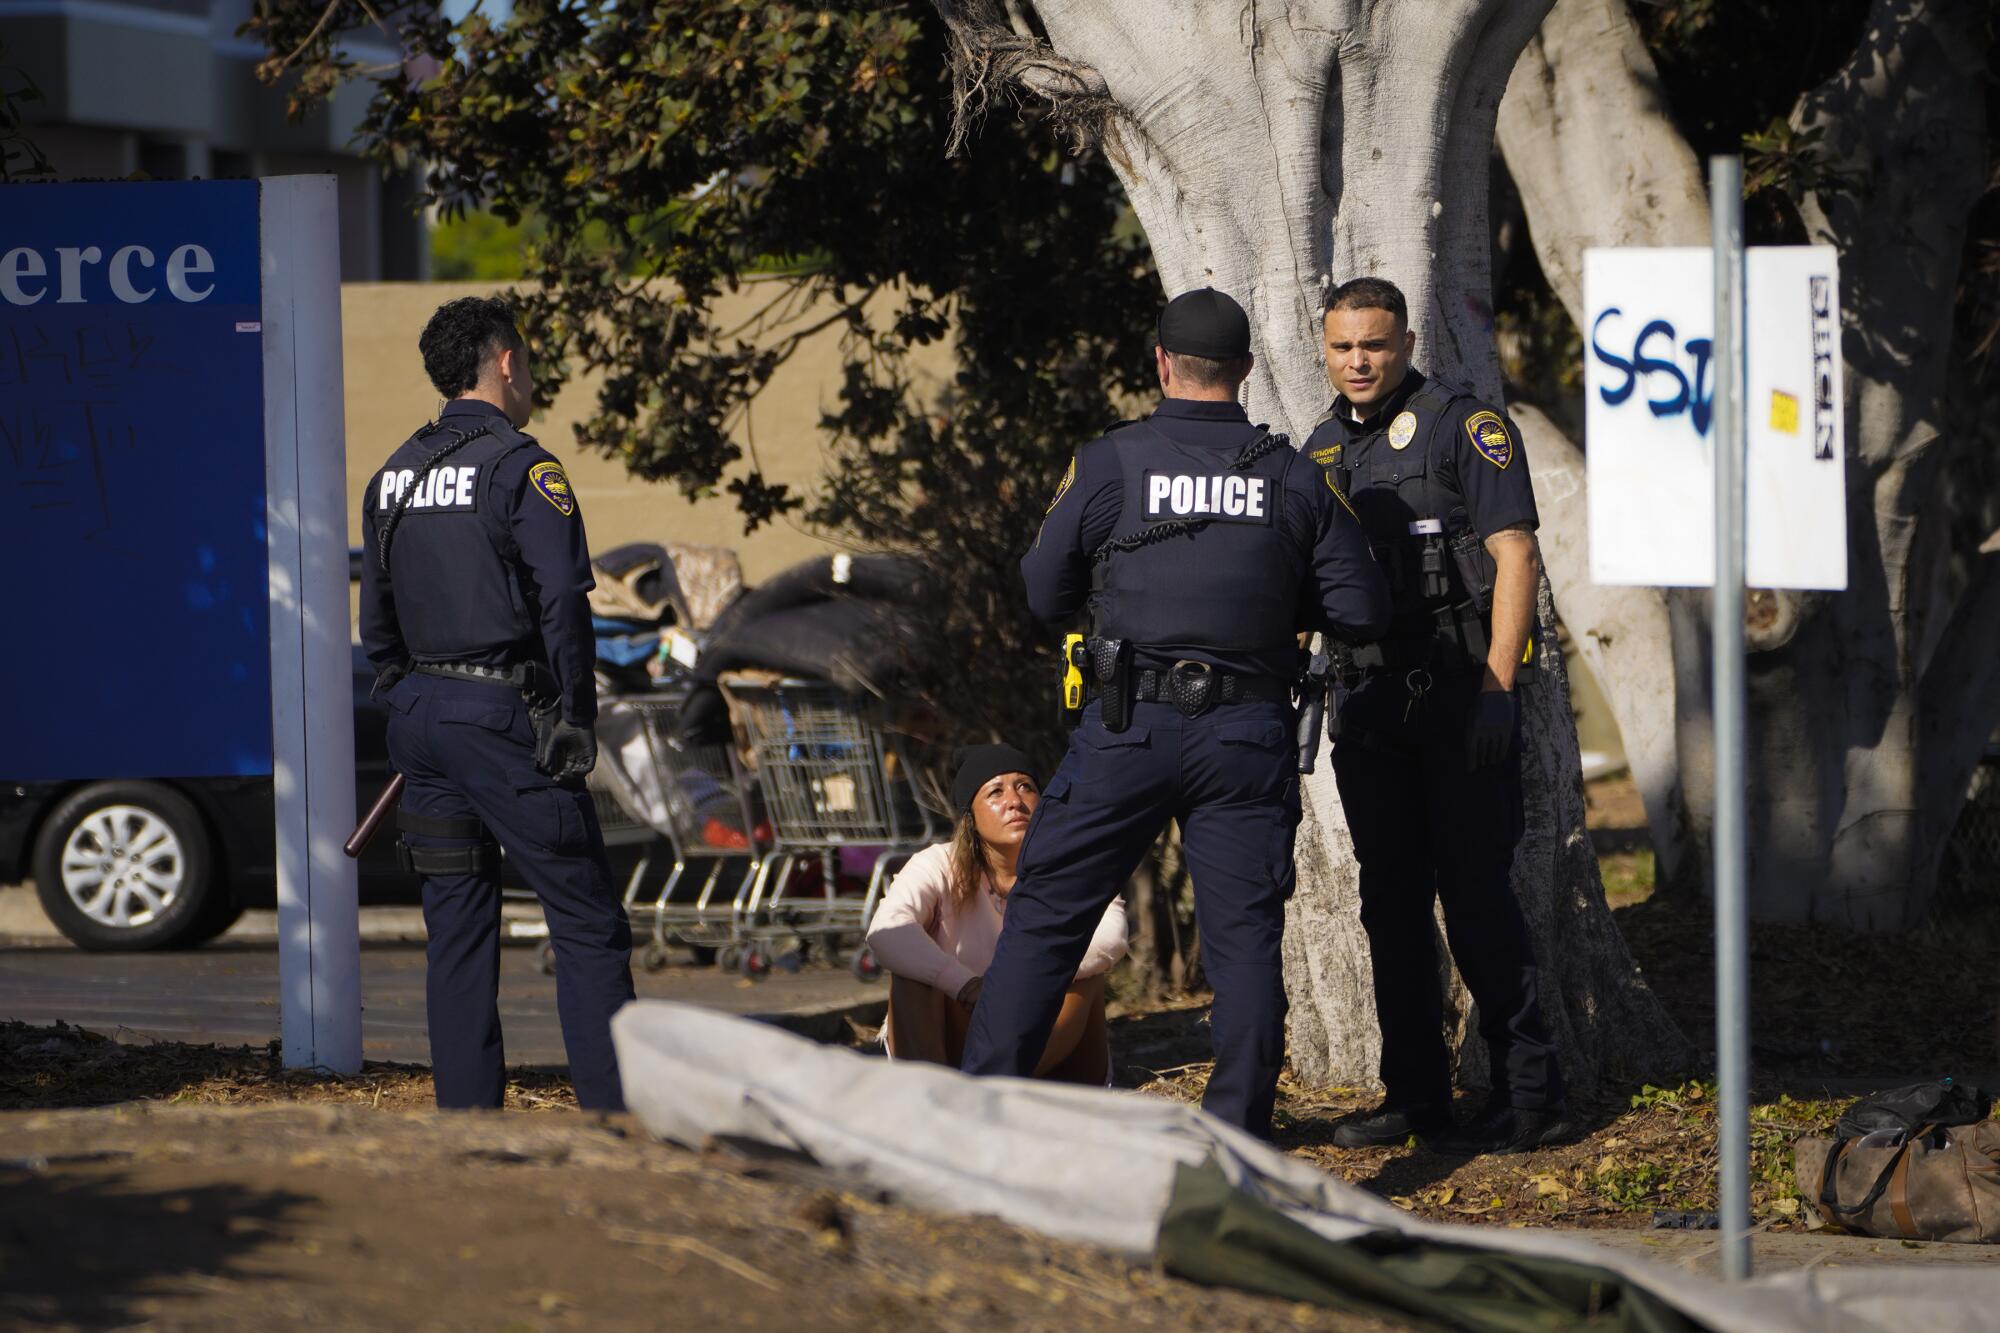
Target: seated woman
<point>938,922</point>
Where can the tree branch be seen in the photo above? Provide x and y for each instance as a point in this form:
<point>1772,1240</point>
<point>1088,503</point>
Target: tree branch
<point>1588,137</point>
<point>995,50</point>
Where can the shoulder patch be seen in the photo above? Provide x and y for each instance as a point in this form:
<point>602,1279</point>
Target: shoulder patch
<point>548,479</point>
<point>1062,488</point>
<point>1489,436</point>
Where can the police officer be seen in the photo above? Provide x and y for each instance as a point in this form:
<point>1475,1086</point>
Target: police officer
<point>1202,544</point>
<point>1427,759</point>
<point>474,571</point>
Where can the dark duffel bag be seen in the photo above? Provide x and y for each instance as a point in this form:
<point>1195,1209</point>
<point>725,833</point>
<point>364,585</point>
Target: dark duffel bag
<point>1916,1163</point>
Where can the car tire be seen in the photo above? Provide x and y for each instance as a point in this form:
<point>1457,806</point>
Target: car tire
<point>126,866</point>
<point>223,911</point>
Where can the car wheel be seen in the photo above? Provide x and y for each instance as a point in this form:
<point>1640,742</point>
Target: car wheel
<point>126,866</point>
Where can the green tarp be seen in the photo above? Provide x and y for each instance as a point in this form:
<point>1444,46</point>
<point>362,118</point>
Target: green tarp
<point>1217,1234</point>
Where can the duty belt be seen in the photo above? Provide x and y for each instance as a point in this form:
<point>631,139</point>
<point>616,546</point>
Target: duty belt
<point>1196,687</point>
<point>468,671</point>
<point>536,682</point>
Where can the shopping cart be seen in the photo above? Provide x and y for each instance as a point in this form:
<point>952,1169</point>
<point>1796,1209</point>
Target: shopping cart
<point>833,777</point>
<point>706,803</point>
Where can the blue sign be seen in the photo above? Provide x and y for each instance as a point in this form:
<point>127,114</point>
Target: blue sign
<point>136,620</point>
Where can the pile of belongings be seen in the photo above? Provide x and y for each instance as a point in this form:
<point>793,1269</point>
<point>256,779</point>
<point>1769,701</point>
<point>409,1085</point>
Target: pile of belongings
<point>652,604</point>
<point>671,618</point>
<point>849,620</point>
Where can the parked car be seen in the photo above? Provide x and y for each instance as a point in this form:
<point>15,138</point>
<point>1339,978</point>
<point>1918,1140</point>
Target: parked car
<point>161,863</point>
<point>170,862</point>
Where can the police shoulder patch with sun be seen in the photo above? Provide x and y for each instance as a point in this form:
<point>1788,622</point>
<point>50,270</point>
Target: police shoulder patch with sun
<point>1488,434</point>
<point>549,482</point>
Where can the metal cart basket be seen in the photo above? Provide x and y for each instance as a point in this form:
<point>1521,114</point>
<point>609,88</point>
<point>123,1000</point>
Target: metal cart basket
<point>833,776</point>
<point>706,802</point>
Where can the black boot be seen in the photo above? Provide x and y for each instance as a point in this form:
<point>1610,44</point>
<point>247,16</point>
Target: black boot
<point>1502,1130</point>
<point>1392,1125</point>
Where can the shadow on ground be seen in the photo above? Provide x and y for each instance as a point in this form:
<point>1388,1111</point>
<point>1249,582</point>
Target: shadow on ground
<point>88,1248</point>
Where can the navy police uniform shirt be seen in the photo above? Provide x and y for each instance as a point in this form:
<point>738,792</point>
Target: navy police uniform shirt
<point>1477,451</point>
<point>489,562</point>
<point>1343,592</point>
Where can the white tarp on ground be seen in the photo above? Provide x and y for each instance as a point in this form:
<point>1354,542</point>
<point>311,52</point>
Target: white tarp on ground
<point>1097,1166</point>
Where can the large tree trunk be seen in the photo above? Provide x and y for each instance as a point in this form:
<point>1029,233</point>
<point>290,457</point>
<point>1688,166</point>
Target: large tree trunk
<point>1867,708</point>
<point>1597,160</point>
<point>1269,149</point>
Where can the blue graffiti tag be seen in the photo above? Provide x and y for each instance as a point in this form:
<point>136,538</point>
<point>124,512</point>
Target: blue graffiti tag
<point>1696,397</point>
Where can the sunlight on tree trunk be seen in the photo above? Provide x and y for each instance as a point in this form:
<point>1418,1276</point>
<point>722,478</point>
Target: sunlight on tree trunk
<point>1269,150</point>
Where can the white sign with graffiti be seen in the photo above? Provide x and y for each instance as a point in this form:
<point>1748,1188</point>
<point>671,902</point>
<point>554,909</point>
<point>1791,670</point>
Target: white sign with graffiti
<point>1649,386</point>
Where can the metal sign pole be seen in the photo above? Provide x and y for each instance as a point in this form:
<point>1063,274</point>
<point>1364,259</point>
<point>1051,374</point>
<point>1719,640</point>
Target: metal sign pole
<point>1732,946</point>
<point>312,674</point>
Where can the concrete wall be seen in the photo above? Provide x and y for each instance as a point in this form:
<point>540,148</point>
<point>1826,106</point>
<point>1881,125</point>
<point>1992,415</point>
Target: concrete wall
<point>388,397</point>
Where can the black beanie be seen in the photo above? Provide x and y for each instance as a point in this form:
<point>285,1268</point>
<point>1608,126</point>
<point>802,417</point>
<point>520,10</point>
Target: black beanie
<point>979,765</point>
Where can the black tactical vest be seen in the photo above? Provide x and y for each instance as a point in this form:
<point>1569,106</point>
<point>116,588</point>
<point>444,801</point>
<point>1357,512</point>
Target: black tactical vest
<point>452,561</point>
<point>1410,514</point>
<point>1221,574</point>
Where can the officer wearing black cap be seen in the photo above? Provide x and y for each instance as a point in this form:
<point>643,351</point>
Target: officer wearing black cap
<point>474,573</point>
<point>1427,759</point>
<point>1202,545</point>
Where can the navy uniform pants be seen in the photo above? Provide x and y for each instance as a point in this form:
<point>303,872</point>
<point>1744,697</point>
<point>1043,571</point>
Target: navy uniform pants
<point>1230,778</point>
<point>465,748</point>
<point>1426,830</point>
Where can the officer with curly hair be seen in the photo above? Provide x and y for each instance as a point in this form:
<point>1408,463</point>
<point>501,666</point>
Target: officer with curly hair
<point>474,575</point>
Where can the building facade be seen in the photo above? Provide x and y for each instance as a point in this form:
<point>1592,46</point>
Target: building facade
<point>167,88</point>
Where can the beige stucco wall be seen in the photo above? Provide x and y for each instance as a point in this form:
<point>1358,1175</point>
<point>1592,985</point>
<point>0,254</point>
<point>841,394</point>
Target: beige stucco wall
<point>388,397</point>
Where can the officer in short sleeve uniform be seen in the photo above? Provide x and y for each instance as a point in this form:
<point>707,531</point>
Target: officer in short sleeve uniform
<point>1428,751</point>
<point>1202,545</point>
<point>480,632</point>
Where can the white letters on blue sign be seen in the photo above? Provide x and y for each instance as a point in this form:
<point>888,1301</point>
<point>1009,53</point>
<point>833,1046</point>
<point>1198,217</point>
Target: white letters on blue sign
<point>24,274</point>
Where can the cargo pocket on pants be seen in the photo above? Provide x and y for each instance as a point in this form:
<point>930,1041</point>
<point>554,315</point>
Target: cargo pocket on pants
<point>1054,804</point>
<point>547,813</point>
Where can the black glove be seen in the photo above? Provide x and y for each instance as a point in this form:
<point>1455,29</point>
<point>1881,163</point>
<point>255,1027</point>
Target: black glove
<point>565,750</point>
<point>1489,732</point>
<point>388,677</point>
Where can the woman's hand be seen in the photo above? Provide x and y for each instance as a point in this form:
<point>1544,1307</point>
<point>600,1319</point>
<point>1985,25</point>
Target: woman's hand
<point>968,994</point>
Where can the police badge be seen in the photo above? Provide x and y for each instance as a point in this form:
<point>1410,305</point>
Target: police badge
<point>1402,430</point>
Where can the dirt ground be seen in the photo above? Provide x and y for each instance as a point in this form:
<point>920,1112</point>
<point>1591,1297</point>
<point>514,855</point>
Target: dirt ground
<point>213,1188</point>
<point>346,1217</point>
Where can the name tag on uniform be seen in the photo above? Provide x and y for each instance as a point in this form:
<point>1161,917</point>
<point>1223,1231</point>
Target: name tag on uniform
<point>1227,497</point>
<point>448,489</point>
<point>1424,527</point>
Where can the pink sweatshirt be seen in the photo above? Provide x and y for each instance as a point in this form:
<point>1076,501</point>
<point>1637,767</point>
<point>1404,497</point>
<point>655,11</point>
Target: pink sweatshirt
<point>917,934</point>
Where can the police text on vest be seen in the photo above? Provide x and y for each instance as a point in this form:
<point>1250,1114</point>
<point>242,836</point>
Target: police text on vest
<point>1225,496</point>
<point>446,488</point>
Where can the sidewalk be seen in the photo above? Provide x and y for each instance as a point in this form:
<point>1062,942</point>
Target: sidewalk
<point>24,924</point>
<point>1777,1252</point>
